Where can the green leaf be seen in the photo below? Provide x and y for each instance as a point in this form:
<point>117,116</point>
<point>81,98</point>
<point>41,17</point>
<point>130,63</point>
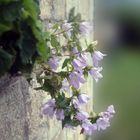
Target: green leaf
<point>32,7</point>
<point>5,27</point>
<point>43,51</point>
<point>26,43</point>
<point>6,61</point>
<point>63,73</point>
<point>67,120</point>
<point>62,101</point>
<point>7,1</point>
<point>47,36</point>
<point>73,17</point>
<point>45,77</point>
<point>10,12</point>
<point>94,119</point>
<point>65,63</point>
<point>55,43</point>
<point>71,14</point>
<point>85,73</point>
<point>55,26</point>
<point>22,18</point>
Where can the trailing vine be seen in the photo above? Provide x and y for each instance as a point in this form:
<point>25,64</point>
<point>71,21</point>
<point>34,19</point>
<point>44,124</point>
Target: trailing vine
<point>58,56</point>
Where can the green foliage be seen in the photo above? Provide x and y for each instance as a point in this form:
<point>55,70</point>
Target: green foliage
<point>73,17</point>
<point>55,44</point>
<point>22,40</point>
<point>65,63</point>
<point>6,61</point>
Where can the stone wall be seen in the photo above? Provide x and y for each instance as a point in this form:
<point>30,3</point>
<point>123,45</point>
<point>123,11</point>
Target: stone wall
<point>20,105</point>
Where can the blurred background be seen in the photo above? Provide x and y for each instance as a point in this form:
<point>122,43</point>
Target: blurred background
<point>117,29</point>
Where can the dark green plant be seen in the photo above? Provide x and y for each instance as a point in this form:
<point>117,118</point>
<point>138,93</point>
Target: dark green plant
<point>22,41</point>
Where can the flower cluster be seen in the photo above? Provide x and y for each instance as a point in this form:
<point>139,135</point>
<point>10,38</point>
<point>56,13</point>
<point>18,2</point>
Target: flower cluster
<point>101,123</point>
<point>66,71</point>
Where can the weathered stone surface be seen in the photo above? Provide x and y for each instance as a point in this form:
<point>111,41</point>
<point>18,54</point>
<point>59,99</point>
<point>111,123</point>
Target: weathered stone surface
<point>13,108</point>
<point>20,112</point>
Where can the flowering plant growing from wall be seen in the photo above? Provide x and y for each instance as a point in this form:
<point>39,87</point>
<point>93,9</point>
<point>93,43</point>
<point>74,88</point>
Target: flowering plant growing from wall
<point>59,57</point>
<point>67,69</point>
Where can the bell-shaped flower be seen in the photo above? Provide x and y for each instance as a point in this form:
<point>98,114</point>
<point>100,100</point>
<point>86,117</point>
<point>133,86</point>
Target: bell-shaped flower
<point>75,79</point>
<point>80,100</point>
<point>60,114</point>
<point>96,57</point>
<point>111,109</point>
<point>53,63</point>
<point>75,51</point>
<point>102,123</point>
<point>76,103</point>
<point>80,62</point>
<point>109,113</point>
<point>49,108</point>
<point>95,73</point>
<point>83,98</point>
<point>67,27</point>
<point>65,85</point>
<point>81,116</point>
<point>85,28</point>
<point>88,127</point>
